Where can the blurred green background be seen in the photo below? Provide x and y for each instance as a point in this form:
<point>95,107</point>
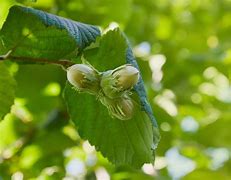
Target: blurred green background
<point>183,48</point>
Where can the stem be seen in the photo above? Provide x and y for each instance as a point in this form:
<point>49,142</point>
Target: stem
<point>64,63</point>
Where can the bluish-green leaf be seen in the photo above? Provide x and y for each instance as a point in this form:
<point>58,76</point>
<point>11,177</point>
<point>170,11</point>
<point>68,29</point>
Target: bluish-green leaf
<point>34,33</point>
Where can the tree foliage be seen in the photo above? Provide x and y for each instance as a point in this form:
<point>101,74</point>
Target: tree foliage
<point>183,52</point>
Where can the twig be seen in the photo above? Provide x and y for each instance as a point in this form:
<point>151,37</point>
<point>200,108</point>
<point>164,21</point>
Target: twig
<point>64,63</point>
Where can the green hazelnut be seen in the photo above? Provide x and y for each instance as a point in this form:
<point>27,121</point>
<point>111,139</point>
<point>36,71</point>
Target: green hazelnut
<point>121,108</point>
<point>83,78</point>
<point>116,82</point>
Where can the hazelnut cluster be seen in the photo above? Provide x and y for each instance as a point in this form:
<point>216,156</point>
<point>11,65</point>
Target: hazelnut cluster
<point>112,87</point>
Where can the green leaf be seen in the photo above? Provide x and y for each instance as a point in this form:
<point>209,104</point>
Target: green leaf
<point>122,142</point>
<point>139,88</point>
<point>38,103</point>
<point>111,52</point>
<point>34,33</point>
<point>7,90</point>
<point>11,129</point>
<point>115,50</point>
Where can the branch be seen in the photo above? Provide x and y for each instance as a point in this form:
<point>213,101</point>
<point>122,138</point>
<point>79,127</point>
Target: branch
<point>64,63</point>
